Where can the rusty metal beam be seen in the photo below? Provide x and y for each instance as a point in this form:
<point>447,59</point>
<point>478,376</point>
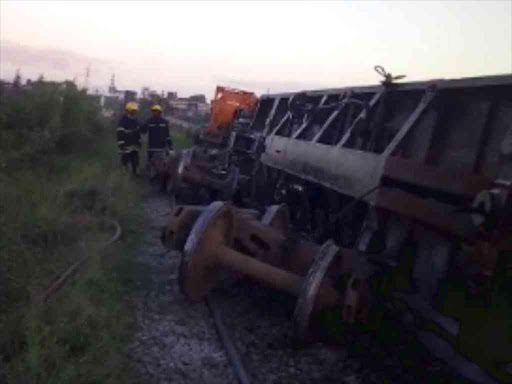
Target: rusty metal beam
<point>306,123</point>
<point>427,211</point>
<point>283,121</point>
<point>422,106</point>
<point>268,121</point>
<point>362,115</point>
<point>415,173</point>
<point>327,123</point>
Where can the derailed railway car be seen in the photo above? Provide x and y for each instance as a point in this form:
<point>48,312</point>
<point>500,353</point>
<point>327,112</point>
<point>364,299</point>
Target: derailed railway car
<point>417,179</point>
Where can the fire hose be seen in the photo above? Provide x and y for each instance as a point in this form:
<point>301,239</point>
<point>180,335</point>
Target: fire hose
<point>43,297</point>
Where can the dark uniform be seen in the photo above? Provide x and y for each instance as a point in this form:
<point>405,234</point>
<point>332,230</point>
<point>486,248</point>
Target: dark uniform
<point>128,141</point>
<point>159,137</point>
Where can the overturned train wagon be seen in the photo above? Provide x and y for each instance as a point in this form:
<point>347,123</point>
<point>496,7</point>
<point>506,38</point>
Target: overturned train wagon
<point>417,178</point>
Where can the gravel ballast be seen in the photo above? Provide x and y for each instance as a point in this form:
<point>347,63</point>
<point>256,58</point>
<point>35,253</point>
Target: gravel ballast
<point>177,342</point>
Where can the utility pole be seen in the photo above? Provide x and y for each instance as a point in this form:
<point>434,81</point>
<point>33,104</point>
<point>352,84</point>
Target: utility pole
<point>112,88</point>
<point>87,74</point>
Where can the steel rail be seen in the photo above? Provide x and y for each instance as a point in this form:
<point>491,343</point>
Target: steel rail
<point>234,356</point>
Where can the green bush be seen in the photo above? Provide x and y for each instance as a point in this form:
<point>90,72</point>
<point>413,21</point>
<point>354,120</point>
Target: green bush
<point>59,177</point>
<point>35,121</point>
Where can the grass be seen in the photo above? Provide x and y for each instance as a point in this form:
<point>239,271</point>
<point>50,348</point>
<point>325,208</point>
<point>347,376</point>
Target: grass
<point>82,333</point>
<point>81,336</point>
<point>60,175</point>
<point>50,219</point>
<point>52,202</point>
<point>182,138</point>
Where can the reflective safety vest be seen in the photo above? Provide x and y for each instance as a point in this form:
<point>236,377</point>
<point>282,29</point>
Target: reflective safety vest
<point>128,135</point>
<point>157,129</point>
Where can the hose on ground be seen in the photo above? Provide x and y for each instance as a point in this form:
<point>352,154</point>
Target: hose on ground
<point>62,280</point>
<point>234,356</point>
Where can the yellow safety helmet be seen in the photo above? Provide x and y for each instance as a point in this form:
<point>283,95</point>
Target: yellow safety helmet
<point>156,107</point>
<point>131,106</point>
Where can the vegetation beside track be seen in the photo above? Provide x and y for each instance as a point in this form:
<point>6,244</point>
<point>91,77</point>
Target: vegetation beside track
<point>59,176</point>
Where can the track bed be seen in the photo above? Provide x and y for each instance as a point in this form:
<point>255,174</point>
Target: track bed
<point>176,342</point>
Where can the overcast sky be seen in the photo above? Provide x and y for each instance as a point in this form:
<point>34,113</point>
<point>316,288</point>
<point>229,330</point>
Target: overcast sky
<point>277,46</point>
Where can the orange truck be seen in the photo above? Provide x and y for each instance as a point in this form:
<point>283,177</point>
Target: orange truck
<point>225,106</point>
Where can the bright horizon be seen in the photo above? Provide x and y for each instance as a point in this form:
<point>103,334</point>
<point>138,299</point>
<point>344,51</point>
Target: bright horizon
<point>190,47</point>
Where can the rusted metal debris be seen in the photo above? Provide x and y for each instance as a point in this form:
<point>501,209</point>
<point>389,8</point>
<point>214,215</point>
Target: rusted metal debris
<point>220,232</point>
<point>209,248</point>
<point>419,166</point>
<point>188,167</point>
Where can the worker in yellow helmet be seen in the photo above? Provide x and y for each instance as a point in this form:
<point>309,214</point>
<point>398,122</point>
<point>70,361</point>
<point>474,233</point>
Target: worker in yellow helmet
<point>128,137</point>
<point>159,138</point>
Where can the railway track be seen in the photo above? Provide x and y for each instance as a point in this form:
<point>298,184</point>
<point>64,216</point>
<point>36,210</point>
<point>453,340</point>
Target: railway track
<point>412,182</point>
<point>177,342</point>
<point>404,194</point>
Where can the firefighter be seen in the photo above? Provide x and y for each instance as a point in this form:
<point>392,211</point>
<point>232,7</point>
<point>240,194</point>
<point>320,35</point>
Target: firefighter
<point>159,138</point>
<point>128,138</point>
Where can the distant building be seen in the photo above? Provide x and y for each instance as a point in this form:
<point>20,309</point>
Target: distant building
<point>124,95</point>
<point>189,106</point>
<point>198,98</point>
<point>154,97</point>
<point>169,100</point>
<point>144,93</point>
<point>129,96</point>
<point>203,108</point>
<point>181,104</point>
